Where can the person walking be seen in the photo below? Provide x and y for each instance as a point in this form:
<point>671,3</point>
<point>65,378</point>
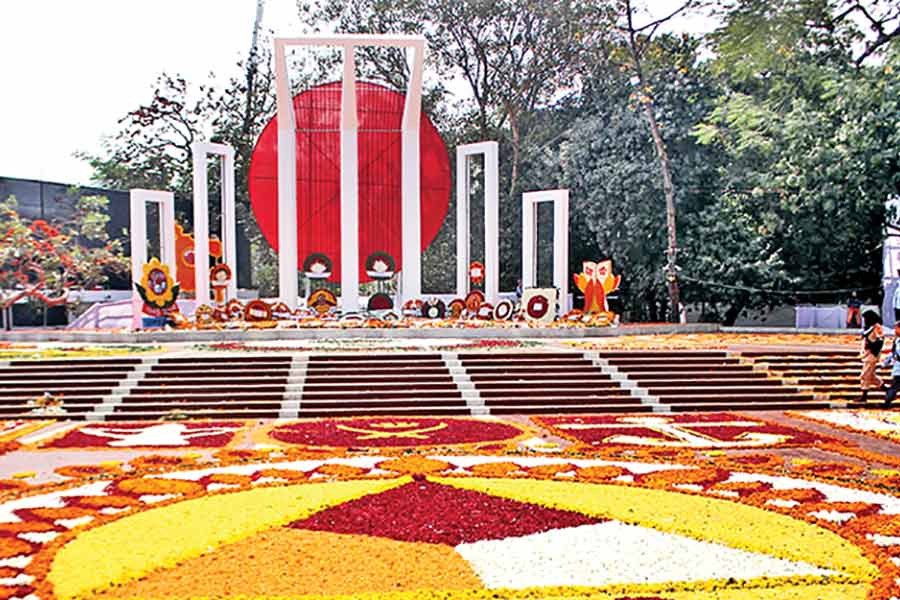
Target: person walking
<point>895,301</point>
<point>854,306</point>
<point>893,361</point>
<point>872,344</point>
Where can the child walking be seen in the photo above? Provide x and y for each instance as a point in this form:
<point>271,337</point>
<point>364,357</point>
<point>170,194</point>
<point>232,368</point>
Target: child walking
<point>872,343</point>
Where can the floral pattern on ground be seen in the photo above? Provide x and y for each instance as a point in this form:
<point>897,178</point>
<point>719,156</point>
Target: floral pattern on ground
<point>192,434</point>
<point>423,511</point>
<point>531,527</point>
<point>394,432</point>
<point>882,423</point>
<point>706,430</point>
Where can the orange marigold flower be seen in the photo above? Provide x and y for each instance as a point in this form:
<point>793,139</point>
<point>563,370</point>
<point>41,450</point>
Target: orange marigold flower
<point>338,470</point>
<point>285,474</point>
<point>79,471</point>
<point>549,471</point>
<point>228,479</point>
<point>887,525</point>
<point>667,479</point>
<point>497,469</point>
<point>414,465</point>
<point>25,527</point>
<point>152,485</point>
<point>106,501</point>
<point>156,462</point>
<point>10,546</point>
<point>600,473</point>
<point>801,496</point>
<point>66,512</point>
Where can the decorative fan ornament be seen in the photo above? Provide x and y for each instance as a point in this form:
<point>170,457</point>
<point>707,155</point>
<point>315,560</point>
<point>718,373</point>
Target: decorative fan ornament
<point>380,265</point>
<point>281,311</point>
<point>380,302</point>
<point>412,308</point>
<point>317,266</point>
<point>474,300</point>
<point>457,306</point>
<point>322,301</point>
<point>434,309</point>
<point>504,310</point>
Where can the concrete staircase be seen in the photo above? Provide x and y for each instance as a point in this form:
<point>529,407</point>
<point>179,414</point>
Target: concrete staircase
<point>832,375</point>
<point>687,380</point>
<point>235,385</point>
<point>564,382</point>
<point>82,384</point>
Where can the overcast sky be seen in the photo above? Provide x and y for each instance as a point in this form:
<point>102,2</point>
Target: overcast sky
<point>69,69</point>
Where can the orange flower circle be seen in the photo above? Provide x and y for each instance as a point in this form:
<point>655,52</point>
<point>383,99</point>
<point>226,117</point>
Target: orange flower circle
<point>498,469</point>
<point>143,486</point>
<point>10,547</point>
<point>600,473</point>
<point>414,465</point>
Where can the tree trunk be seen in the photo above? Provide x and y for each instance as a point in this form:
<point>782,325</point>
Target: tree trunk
<point>516,140</point>
<point>646,100</point>
<point>669,191</point>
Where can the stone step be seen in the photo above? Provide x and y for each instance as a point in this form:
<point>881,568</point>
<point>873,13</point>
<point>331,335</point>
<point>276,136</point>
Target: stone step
<point>775,388</point>
<point>129,407</point>
<point>200,396</point>
<point>735,400</point>
<point>410,395</point>
<point>584,408</point>
<point>561,400</point>
<point>426,411</point>
<point>749,406</point>
<point>224,359</point>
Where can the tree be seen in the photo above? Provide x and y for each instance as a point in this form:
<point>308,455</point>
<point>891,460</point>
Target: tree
<point>55,257</point>
<point>810,161</point>
<point>636,39</point>
<point>609,162</point>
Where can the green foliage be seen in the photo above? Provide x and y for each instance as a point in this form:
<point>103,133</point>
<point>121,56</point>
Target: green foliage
<point>76,253</point>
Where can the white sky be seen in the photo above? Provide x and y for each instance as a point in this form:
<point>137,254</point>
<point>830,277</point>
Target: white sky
<point>69,69</point>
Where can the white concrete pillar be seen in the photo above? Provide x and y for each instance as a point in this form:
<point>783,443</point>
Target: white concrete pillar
<point>560,200</point>
<point>201,225</point>
<point>138,233</point>
<point>287,181</point>
<point>349,185</point>
<point>491,153</point>
<point>411,190</point>
<point>225,154</point>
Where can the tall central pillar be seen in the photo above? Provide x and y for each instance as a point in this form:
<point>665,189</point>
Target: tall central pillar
<point>349,185</point>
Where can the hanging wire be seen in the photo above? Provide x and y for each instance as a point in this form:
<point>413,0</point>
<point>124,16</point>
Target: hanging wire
<point>778,292</point>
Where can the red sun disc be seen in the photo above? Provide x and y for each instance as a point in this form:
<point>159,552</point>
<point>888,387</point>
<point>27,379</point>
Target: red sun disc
<point>317,113</point>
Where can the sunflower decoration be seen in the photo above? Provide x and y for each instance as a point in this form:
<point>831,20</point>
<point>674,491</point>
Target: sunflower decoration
<point>157,288</point>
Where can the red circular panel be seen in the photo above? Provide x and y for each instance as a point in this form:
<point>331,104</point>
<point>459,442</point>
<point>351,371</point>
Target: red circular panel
<point>317,113</point>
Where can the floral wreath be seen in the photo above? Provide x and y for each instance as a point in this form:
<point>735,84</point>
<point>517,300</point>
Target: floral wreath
<point>384,258</point>
<point>322,261</point>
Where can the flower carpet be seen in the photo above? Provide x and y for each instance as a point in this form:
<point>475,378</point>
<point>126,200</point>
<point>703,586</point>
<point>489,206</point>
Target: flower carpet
<point>729,506</point>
